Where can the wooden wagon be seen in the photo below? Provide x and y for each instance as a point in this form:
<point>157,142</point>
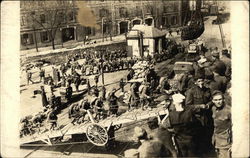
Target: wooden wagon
<point>96,133</point>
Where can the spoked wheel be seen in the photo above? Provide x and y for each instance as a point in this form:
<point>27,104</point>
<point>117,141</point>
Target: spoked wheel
<point>97,134</point>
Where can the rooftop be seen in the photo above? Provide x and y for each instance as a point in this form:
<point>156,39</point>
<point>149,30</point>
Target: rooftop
<point>148,32</point>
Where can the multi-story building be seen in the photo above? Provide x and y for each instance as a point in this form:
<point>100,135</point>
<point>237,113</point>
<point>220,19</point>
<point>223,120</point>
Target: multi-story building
<point>46,23</point>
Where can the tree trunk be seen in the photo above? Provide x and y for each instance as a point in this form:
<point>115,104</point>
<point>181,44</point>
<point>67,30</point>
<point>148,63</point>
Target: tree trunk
<point>53,43</point>
<point>35,39</point>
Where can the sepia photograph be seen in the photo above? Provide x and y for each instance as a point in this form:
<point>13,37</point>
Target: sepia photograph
<point>125,78</point>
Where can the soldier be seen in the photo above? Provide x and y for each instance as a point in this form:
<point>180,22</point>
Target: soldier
<point>121,84</point>
<point>69,92</point>
<point>113,102</point>
<point>88,86</point>
<point>134,98</point>
<point>29,76</point>
<point>52,100</point>
<point>96,78</point>
<point>55,76</point>
<point>44,97</point>
<point>41,74</point>
<point>161,134</point>
<point>98,108</point>
<point>103,93</point>
<point>148,148</point>
<point>196,96</point>
<point>77,80</point>
<point>220,80</point>
<point>52,119</point>
<point>222,125</point>
<point>144,93</point>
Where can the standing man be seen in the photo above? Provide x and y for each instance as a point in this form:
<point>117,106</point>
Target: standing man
<point>55,76</point>
<point>29,76</point>
<point>182,124</point>
<point>121,85</point>
<point>44,97</point>
<point>113,102</point>
<point>196,96</point>
<point>41,74</point>
<point>96,78</point>
<point>222,125</point>
<point>69,92</point>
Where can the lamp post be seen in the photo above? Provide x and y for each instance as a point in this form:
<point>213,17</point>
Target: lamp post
<point>61,36</point>
<point>102,50</point>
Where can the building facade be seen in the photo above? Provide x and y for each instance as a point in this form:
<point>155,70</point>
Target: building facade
<point>44,23</point>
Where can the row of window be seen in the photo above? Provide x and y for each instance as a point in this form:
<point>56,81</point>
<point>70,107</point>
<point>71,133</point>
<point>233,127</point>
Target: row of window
<point>123,12</point>
<point>166,21</point>
<point>43,18</point>
<point>27,38</point>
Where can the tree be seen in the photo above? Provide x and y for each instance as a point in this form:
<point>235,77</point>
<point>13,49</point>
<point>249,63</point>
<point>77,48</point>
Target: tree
<point>50,16</point>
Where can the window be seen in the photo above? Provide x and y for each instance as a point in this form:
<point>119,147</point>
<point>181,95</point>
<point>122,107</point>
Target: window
<point>174,20</point>
<point>138,11</point>
<point>149,9</point>
<point>61,17</point>
<point>23,22</point>
<point>88,31</point>
<point>71,16</point>
<point>27,39</point>
<point>123,12</point>
<point>44,36</point>
<point>103,12</point>
<point>42,18</point>
<point>165,21</point>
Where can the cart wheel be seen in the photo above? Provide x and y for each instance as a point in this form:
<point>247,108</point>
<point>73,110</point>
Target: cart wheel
<point>117,127</point>
<point>97,134</point>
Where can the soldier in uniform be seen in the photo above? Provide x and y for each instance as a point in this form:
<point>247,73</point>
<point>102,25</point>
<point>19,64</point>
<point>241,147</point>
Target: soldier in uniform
<point>113,102</point>
<point>29,76</point>
<point>144,93</point>
<point>41,74</point>
<point>196,96</point>
<point>103,93</point>
<point>158,133</point>
<point>134,98</point>
<point>121,84</point>
<point>52,119</point>
<point>96,78</point>
<point>44,97</point>
<point>222,125</point>
<point>149,148</point>
<point>77,80</point>
<point>69,92</point>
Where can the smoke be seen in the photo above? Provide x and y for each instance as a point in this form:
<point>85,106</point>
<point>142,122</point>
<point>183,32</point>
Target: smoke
<point>85,16</point>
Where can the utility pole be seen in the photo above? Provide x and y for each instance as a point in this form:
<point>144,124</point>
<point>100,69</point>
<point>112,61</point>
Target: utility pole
<point>220,27</point>
<point>102,73</point>
<point>35,38</point>
<point>102,29</point>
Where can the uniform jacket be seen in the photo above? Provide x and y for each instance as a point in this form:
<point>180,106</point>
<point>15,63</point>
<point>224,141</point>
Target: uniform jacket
<point>222,127</point>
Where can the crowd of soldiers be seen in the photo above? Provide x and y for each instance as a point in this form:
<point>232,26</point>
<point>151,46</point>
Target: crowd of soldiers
<point>199,120</point>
